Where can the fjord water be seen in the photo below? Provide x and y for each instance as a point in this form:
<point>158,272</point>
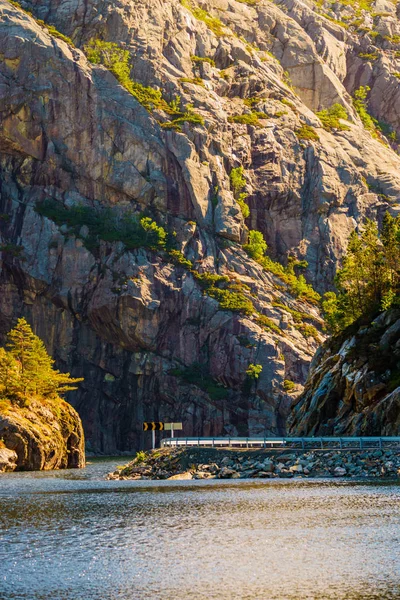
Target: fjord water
<point>70,535</point>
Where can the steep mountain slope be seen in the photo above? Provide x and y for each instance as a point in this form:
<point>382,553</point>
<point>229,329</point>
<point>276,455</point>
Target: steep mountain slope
<point>153,339</point>
<point>353,388</point>
<point>305,197</point>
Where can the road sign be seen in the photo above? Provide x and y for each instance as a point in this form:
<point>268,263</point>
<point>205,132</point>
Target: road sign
<point>153,426</point>
<point>173,426</point>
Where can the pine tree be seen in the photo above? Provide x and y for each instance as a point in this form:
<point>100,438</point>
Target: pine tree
<point>369,280</point>
<point>27,369</point>
<point>9,375</point>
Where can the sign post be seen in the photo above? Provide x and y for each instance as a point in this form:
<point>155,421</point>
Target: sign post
<point>153,426</point>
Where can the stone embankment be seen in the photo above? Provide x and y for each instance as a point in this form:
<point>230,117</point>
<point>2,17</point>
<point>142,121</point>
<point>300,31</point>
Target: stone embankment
<point>196,463</point>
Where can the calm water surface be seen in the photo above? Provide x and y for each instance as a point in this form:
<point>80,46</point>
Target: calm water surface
<point>70,535</point>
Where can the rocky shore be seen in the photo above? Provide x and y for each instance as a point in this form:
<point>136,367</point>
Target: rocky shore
<point>200,463</point>
<point>44,434</point>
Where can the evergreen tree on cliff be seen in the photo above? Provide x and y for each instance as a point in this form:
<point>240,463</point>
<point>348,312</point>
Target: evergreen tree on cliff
<point>26,369</point>
<point>369,280</point>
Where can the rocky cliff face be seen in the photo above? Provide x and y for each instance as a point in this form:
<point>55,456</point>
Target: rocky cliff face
<point>135,324</point>
<point>353,387</point>
<point>305,196</point>
<point>41,436</point>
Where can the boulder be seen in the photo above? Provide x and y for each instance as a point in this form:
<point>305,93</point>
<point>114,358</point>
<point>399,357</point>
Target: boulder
<point>8,460</point>
<point>226,473</point>
<point>340,472</point>
<point>181,476</point>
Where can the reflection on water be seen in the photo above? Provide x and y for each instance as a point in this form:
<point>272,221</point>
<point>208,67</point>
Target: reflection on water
<point>73,536</point>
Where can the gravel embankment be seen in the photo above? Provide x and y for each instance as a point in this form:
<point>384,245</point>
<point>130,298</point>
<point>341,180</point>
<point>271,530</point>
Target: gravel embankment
<point>201,463</point>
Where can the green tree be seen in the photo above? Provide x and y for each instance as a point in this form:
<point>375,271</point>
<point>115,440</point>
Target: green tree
<point>20,342</point>
<point>26,369</point>
<point>254,371</point>
<point>238,183</point>
<point>9,375</point>
<point>363,279</point>
<point>390,237</point>
<point>361,105</point>
<point>256,246</point>
<point>369,278</point>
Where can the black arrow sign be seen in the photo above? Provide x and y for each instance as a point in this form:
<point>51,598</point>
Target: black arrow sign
<point>153,426</point>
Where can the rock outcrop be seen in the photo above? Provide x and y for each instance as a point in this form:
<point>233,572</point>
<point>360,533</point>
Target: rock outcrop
<point>8,460</point>
<point>354,383</point>
<point>42,435</point>
<point>135,323</point>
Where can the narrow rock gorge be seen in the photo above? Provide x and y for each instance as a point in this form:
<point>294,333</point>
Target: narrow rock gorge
<point>231,125</point>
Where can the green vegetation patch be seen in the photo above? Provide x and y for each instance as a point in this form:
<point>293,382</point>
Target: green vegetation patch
<point>307,132</point>
<point>251,118</point>
<point>368,56</point>
<point>268,324</point>
<point>256,249</point>
<point>116,59</point>
<point>330,118</point>
<point>229,294</point>
<point>244,207</point>
<point>361,106</point>
<point>213,24</point>
<point>188,116</point>
<point>198,60</point>
<point>198,375</point>
<point>106,224</point>
<point>254,371</point>
<point>307,330</point>
<point>298,317</point>
<point>238,183</point>
<point>289,386</point>
<point>194,80</point>
<point>231,300</point>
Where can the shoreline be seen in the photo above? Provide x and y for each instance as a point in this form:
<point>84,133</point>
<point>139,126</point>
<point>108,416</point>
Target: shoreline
<point>212,463</point>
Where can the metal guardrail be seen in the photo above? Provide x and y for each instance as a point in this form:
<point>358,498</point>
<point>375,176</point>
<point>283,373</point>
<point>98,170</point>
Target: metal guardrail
<point>303,443</point>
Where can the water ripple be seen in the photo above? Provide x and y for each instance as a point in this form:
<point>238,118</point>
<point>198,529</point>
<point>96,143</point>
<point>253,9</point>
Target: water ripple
<point>69,536</point>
